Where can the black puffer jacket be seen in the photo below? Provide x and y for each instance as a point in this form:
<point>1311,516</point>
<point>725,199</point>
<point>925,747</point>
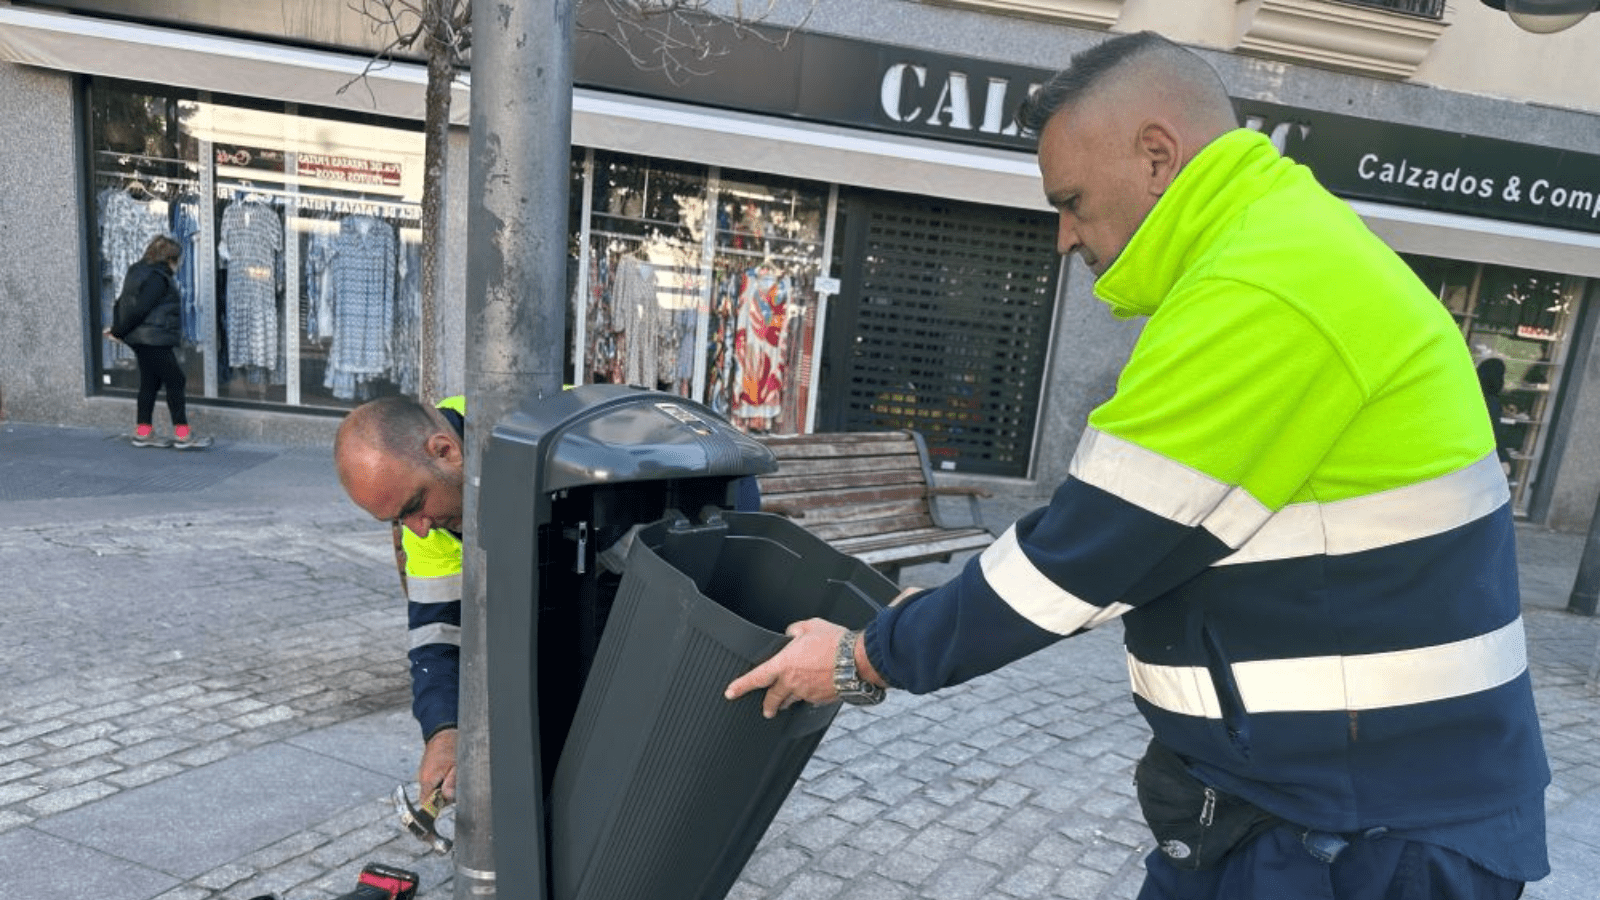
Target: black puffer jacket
<point>151,308</point>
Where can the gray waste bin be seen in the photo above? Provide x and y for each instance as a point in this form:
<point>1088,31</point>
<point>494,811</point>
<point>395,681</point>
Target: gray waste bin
<point>664,787</point>
<point>619,678</point>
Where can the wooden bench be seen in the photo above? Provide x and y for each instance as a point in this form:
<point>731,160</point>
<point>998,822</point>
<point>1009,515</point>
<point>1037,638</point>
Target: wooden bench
<point>871,495</point>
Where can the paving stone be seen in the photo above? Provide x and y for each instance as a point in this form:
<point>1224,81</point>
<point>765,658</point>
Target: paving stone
<point>103,711</point>
<point>67,776</point>
<point>295,845</point>
<point>16,770</point>
<point>17,792</point>
<point>31,730</point>
<point>187,892</point>
<point>43,867</point>
<point>962,880</point>
<point>352,845</point>
<point>151,750</point>
<point>769,866</point>
<point>975,817</point>
<point>57,709</point>
<point>75,754</point>
<point>226,810</point>
<point>58,801</point>
<point>223,876</point>
<point>139,775</point>
<point>14,752</point>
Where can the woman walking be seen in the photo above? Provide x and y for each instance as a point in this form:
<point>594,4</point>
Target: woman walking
<point>148,318</point>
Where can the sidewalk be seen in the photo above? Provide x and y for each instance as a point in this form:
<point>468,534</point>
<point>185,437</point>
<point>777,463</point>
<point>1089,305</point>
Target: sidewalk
<point>206,697</point>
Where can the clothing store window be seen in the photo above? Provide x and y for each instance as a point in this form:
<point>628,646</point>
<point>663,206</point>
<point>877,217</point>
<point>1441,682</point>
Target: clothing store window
<point>1523,319</point>
<point>701,282</point>
<point>642,295</point>
<point>763,324</point>
<point>301,238</point>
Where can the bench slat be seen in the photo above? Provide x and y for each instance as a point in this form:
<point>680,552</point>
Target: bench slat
<point>940,548</point>
<point>858,443</point>
<point>869,514</point>
<point>851,501</point>
<point>896,469</point>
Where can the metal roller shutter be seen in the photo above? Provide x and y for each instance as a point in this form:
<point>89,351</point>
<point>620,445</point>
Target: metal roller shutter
<point>942,325</point>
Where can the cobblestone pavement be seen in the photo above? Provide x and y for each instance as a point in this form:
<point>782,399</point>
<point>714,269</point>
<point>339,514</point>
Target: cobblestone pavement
<point>205,697</point>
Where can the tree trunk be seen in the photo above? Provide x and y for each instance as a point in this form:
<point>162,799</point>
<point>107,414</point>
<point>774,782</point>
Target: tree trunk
<point>436,154</point>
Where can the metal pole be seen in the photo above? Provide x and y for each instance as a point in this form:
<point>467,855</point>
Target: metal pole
<point>521,136</point>
<point>1586,587</point>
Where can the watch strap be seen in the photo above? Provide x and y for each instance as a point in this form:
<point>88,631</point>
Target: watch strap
<point>852,688</point>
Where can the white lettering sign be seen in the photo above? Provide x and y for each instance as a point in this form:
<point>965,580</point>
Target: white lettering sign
<point>906,96</point>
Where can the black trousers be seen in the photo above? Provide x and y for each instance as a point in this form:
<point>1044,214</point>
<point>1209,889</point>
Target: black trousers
<point>158,368</point>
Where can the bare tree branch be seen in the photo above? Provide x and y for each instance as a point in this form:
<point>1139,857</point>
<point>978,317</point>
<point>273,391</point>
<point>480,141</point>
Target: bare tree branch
<point>679,38</point>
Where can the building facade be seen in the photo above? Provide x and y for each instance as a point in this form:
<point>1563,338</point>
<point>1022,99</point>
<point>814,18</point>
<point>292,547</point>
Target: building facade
<point>834,226</point>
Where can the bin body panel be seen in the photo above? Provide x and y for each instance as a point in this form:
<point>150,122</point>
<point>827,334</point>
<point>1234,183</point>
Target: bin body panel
<point>664,787</point>
<point>561,479</point>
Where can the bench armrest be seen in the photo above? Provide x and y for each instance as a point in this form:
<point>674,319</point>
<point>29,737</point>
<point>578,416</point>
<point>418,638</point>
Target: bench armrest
<point>955,490</point>
<point>972,493</point>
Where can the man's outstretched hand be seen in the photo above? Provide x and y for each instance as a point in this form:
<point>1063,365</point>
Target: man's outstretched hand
<point>802,670</point>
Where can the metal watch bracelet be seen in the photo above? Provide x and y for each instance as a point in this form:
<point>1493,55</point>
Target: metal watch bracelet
<point>852,688</point>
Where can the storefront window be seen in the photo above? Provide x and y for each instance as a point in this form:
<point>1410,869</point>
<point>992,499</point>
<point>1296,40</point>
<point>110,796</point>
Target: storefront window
<point>763,310</point>
<point>642,300</point>
<point>301,243</point>
<point>702,283</point>
<point>1520,318</point>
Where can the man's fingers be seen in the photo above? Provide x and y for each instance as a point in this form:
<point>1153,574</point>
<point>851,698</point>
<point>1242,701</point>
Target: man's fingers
<point>755,680</point>
<point>774,702</point>
<point>760,677</point>
<point>801,671</point>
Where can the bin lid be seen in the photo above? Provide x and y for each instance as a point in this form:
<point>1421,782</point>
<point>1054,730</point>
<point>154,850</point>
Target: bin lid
<point>604,434</point>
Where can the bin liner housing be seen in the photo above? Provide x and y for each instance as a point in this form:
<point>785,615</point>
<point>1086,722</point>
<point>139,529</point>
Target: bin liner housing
<point>664,787</point>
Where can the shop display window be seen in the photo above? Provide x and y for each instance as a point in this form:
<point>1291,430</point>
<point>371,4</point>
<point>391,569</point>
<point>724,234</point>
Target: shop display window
<point>763,319</point>
<point>641,297</point>
<point>1522,319</point>
<point>701,283</point>
<point>301,236</point>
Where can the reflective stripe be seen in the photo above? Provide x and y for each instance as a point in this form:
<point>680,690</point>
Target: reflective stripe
<point>1145,478</point>
<point>1033,595</point>
<point>1331,683</point>
<point>435,633</point>
<point>1238,517</point>
<point>1169,489</point>
<point>1380,520</point>
<point>436,589</point>
<point>1185,690</point>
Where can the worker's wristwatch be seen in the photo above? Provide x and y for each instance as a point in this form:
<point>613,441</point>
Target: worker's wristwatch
<point>847,681</point>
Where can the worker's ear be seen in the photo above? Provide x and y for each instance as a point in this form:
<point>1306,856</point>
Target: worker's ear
<point>1161,150</point>
<point>443,448</point>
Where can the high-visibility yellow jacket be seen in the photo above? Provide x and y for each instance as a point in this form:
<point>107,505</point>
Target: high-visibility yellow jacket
<point>433,588</point>
<point>1294,506</point>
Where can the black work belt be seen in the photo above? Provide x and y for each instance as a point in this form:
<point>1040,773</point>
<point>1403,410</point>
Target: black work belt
<point>1196,825</point>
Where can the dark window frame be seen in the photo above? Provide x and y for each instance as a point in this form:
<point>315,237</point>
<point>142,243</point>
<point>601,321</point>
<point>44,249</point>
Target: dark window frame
<point>1422,9</point>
